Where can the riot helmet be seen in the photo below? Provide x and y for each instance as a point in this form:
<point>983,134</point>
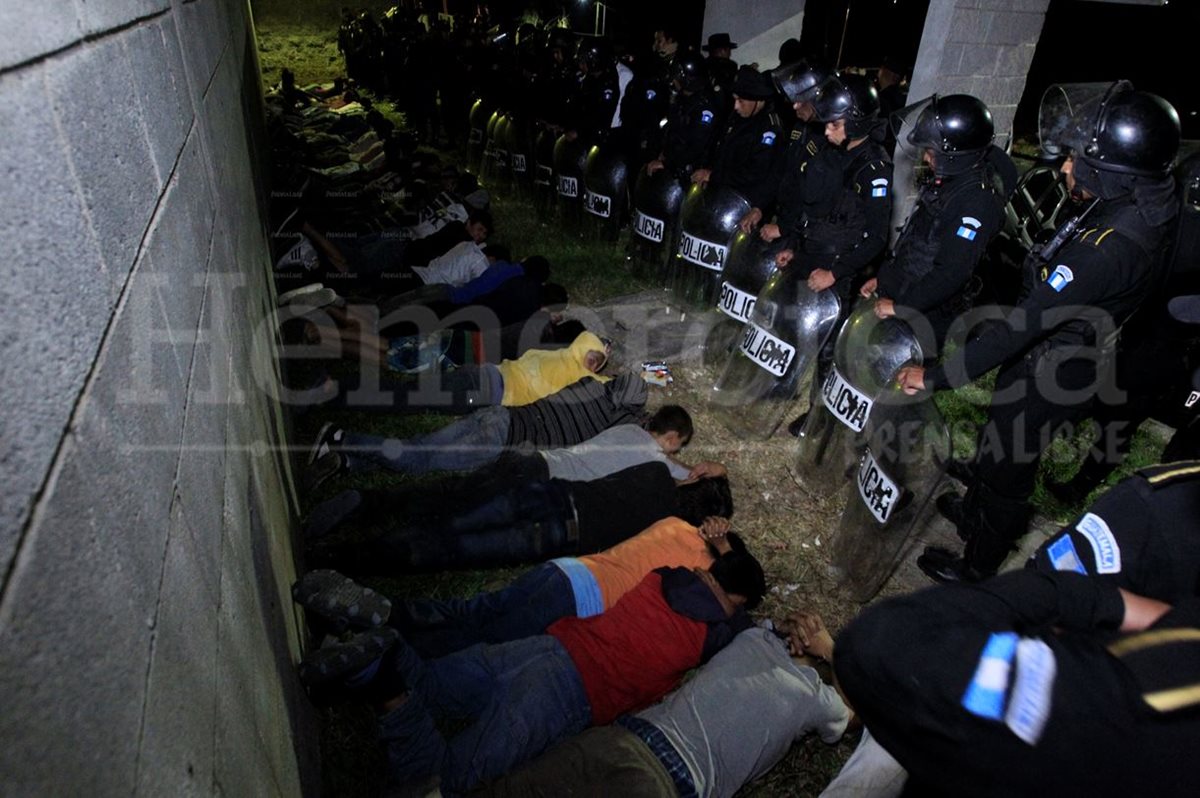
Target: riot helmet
<point>957,128</point>
<point>691,71</point>
<point>560,39</point>
<point>1110,127</point>
<point>800,81</point>
<point>852,98</point>
<point>595,54</point>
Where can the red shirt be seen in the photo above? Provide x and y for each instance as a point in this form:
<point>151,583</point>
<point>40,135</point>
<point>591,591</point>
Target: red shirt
<point>633,654</point>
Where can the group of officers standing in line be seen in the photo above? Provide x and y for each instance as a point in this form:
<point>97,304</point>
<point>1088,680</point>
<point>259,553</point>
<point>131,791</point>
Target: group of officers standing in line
<point>819,181</point>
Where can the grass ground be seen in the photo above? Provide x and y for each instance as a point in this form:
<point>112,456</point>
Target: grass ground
<point>789,530</point>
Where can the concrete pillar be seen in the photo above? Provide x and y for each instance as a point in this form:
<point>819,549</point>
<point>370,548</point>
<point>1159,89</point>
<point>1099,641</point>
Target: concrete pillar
<point>978,47</point>
<point>758,34</point>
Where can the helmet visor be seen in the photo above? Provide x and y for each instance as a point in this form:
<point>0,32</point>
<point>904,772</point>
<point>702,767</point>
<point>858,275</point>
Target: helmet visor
<point>910,127</point>
<point>1068,116</point>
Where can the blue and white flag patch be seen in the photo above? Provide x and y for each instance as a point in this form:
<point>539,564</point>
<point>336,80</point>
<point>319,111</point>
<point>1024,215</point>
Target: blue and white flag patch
<point>768,138</point>
<point>985,694</point>
<point>969,228</point>
<point>1104,543</point>
<point>1033,689</point>
<point>706,117</point>
<point>1059,278</point>
<point>879,187</point>
<point>1064,557</point>
<point>608,95</point>
<point>651,94</point>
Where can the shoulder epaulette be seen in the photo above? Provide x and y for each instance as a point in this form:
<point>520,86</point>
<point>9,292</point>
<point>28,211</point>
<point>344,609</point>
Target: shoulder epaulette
<point>1161,475</point>
<point>1094,235</point>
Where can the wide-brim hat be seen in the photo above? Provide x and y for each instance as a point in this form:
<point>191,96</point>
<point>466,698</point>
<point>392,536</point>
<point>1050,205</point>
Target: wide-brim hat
<point>753,85</point>
<point>717,41</point>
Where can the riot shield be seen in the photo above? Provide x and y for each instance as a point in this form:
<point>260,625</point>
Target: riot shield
<point>477,121</point>
<point>775,354</point>
<point>520,155</point>
<point>708,224</point>
<point>502,139</point>
<point>750,264</point>
<point>604,193</point>
<point>568,169</point>
<point>904,460</point>
<point>868,353</point>
<point>543,170</point>
<point>652,230</point>
<point>487,169</point>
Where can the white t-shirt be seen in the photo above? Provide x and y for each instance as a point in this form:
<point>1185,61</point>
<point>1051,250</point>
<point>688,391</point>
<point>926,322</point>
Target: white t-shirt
<point>462,264</point>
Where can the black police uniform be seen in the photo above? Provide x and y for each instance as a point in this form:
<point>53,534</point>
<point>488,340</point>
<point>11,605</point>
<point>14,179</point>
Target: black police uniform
<point>722,72</point>
<point>591,107</point>
<point>945,236</point>
<point>1052,338</point>
<point>747,155</point>
<point>786,190</point>
<point>646,103</point>
<point>847,210</point>
<point>691,132</point>
<point>1004,688</point>
<point>1142,535</point>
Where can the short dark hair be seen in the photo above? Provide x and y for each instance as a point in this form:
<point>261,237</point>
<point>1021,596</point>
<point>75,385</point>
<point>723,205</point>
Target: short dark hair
<point>671,418</point>
<point>567,331</point>
<point>704,497</point>
<point>739,573</point>
<point>537,267</point>
<point>498,251</point>
<point>554,296</point>
<point>481,216</point>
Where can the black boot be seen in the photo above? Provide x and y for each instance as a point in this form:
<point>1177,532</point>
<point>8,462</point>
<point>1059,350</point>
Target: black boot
<point>943,565</point>
<point>797,426</point>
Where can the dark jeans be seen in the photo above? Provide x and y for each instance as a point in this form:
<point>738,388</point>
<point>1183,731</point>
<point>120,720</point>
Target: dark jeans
<point>536,599</point>
<point>519,698</point>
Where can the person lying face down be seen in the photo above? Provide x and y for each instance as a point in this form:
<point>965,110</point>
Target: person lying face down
<point>561,588</point>
<point>696,741</point>
<point>582,672</point>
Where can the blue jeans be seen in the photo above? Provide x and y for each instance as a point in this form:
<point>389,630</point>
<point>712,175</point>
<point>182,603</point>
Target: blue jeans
<point>520,698</point>
<point>463,445</point>
<point>525,608</point>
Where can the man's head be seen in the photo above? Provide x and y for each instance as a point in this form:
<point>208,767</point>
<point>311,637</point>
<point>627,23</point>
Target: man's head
<point>739,575</point>
<point>800,81</point>
<point>672,427</point>
<point>497,252</point>
<point>479,225</point>
<point>666,42</point>
<point>849,107</point>
<point>751,91</point>
<point>703,498</point>
<point>719,46</point>
<point>536,267</point>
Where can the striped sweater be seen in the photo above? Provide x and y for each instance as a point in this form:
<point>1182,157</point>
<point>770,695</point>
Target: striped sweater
<point>578,412</point>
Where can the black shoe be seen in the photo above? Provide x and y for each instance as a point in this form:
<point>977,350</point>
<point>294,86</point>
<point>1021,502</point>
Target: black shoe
<point>950,505</point>
<point>341,600</point>
<point>325,468</point>
<point>329,515</point>
<point>961,470</point>
<point>943,565</point>
<point>328,438</point>
<point>346,658</point>
<point>797,425</point>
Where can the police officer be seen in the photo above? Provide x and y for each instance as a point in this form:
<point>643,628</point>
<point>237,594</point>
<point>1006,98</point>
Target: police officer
<point>847,193</point>
<point>722,69</point>
<point>745,159</point>
<point>1030,684</point>
<point>592,106</point>
<point>799,83</point>
<point>1141,535</point>
<point>691,129</point>
<point>1120,145</point>
<point>957,213</point>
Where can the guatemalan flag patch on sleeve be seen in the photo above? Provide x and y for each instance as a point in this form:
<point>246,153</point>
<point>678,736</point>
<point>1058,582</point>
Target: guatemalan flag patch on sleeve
<point>879,187</point>
<point>969,228</point>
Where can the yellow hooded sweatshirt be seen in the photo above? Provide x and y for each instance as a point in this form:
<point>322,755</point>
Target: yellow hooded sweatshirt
<point>541,372</point>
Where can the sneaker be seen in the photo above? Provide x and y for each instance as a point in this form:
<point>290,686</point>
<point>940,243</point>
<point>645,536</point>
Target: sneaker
<point>943,565</point>
<point>327,466</point>
<point>340,599</point>
<point>328,438</point>
<point>288,297</point>
<point>309,300</point>
<point>346,658</point>
<point>328,515</point>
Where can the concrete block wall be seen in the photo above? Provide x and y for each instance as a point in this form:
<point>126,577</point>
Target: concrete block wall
<point>978,47</point>
<point>758,34</point>
<point>146,633</point>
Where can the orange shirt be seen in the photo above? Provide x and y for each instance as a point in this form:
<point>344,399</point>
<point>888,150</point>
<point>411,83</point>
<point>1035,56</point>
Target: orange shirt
<point>671,541</point>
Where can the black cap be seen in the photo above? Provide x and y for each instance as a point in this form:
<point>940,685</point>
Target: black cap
<point>753,85</point>
<point>717,41</point>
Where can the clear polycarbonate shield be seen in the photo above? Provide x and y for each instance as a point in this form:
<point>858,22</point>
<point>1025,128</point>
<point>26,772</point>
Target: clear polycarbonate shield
<point>773,359</point>
<point>487,164</point>
<point>910,145</point>
<point>907,448</point>
<point>520,154</point>
<point>543,170</point>
<point>708,225</point>
<point>868,353</point>
<point>477,122</point>
<point>494,172</point>
<point>654,225</point>
<point>750,264</point>
<point>604,192</point>
<point>1068,115</point>
<point>568,172</point>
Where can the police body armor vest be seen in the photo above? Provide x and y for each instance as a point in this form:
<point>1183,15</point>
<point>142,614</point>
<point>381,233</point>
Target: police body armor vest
<point>843,227</point>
